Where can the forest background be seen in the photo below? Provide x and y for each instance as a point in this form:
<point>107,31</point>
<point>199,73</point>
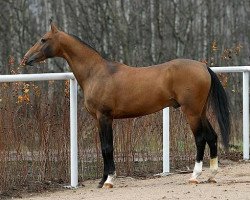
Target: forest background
<point>34,117</point>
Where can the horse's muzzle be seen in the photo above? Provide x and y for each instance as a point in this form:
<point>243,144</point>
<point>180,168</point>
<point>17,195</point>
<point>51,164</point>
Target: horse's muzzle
<point>30,60</point>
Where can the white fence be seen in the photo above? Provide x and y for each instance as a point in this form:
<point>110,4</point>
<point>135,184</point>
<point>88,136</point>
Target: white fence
<point>73,113</point>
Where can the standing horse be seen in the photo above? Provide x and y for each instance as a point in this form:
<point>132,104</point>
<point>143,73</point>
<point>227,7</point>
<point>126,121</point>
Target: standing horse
<point>114,90</point>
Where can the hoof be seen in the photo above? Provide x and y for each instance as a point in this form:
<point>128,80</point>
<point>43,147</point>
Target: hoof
<point>212,180</point>
<point>100,185</point>
<point>107,185</point>
<point>193,181</point>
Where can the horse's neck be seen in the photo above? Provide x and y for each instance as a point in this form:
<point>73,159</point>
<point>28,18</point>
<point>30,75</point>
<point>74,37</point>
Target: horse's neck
<point>83,61</point>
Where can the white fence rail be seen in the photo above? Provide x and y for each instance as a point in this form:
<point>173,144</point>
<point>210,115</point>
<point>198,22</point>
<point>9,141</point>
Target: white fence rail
<point>73,113</point>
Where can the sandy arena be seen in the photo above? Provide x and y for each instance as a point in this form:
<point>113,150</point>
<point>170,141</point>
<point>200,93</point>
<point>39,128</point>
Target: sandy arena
<point>233,183</point>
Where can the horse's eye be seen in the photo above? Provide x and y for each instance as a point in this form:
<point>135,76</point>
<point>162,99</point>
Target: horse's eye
<point>43,40</point>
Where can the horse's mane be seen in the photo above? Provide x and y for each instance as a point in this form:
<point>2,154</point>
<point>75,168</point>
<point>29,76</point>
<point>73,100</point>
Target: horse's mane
<point>80,40</point>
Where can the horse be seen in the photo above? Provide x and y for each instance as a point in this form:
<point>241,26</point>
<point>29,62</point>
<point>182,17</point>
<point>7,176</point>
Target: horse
<point>113,90</point>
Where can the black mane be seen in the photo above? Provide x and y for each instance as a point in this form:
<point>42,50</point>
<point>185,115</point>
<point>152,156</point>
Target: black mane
<point>88,45</point>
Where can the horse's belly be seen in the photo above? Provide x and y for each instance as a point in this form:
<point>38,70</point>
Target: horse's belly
<point>140,108</point>
<point>133,114</point>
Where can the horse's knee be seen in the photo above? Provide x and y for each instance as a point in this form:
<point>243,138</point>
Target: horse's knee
<point>107,149</point>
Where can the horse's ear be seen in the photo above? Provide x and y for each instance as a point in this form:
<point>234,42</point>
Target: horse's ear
<point>54,29</point>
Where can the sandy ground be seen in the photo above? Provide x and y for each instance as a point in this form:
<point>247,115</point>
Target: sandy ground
<point>233,183</point>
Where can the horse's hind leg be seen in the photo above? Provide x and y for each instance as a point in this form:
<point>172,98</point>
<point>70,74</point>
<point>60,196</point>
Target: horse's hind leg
<point>106,138</point>
<point>211,138</point>
<point>203,133</point>
<point>195,123</point>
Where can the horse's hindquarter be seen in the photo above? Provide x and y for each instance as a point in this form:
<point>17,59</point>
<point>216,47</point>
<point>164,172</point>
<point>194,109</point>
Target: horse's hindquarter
<point>191,84</point>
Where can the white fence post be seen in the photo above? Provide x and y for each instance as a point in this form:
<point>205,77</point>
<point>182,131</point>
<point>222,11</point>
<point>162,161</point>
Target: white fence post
<point>73,134</point>
<point>166,145</point>
<point>246,115</point>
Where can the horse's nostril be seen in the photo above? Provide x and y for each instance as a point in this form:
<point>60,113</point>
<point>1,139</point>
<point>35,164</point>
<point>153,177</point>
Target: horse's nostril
<point>30,62</point>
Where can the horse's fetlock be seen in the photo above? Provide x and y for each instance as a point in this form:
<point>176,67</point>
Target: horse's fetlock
<point>197,170</point>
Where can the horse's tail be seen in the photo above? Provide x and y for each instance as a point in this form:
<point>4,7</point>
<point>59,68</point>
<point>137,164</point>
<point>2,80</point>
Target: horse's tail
<point>218,100</point>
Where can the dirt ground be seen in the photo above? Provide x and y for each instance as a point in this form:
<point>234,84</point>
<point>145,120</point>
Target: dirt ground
<point>233,182</point>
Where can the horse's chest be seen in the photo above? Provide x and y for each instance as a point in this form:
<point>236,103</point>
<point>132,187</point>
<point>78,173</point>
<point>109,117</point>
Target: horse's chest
<point>94,106</point>
<point>98,99</point>
<point>90,107</point>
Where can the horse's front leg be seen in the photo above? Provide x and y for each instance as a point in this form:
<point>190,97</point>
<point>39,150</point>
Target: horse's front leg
<point>106,138</point>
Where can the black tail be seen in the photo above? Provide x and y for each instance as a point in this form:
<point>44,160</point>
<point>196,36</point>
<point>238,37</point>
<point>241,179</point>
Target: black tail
<point>218,100</point>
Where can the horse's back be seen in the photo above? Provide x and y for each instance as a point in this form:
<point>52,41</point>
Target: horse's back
<point>143,90</point>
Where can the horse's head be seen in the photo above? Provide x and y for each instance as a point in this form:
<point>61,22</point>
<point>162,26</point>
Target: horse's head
<point>46,47</point>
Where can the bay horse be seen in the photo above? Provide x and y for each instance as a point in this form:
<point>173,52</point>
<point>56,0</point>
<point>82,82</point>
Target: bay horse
<point>113,90</point>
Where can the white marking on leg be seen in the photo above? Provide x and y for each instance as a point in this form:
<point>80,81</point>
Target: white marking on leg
<point>197,171</point>
<point>213,168</point>
<point>110,181</point>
